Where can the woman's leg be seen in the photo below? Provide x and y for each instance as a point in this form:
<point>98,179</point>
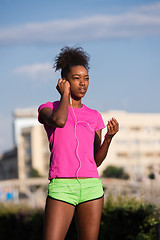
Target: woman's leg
<point>88,217</point>
<point>58,216</point>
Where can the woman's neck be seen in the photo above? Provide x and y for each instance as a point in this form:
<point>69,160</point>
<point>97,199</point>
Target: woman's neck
<point>75,103</point>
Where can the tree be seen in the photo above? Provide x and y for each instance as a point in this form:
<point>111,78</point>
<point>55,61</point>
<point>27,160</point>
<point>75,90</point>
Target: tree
<point>151,176</point>
<point>35,173</point>
<point>115,172</point>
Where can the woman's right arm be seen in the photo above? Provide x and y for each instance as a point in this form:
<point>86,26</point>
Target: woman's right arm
<point>59,117</point>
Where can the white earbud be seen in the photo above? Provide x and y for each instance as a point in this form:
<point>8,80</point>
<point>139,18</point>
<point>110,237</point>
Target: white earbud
<point>70,100</point>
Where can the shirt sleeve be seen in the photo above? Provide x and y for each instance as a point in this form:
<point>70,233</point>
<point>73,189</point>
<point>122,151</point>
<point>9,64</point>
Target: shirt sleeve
<point>49,105</point>
<point>100,122</point>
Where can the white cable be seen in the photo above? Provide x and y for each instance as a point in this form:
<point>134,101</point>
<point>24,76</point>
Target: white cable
<point>75,127</point>
<point>77,154</point>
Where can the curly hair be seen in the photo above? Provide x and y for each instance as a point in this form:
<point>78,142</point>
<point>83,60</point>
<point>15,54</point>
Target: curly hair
<point>69,57</point>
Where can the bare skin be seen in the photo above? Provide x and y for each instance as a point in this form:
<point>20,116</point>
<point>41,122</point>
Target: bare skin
<point>58,215</point>
<point>88,217</point>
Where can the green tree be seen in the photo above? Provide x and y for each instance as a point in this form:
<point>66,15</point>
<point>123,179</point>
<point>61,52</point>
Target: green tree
<point>128,219</point>
<point>151,176</point>
<point>115,172</point>
<point>35,173</point>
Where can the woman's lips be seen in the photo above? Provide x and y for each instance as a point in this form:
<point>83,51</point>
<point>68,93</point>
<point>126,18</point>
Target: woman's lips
<point>82,89</point>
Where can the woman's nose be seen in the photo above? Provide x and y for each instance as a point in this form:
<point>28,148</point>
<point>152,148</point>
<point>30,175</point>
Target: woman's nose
<point>82,82</point>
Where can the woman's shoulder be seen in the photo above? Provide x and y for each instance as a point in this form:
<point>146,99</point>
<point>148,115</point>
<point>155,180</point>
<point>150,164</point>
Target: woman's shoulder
<point>52,105</point>
<point>94,114</point>
<point>90,110</point>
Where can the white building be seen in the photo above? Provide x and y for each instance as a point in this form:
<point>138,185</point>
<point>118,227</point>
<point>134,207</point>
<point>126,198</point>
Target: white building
<point>23,118</point>
<point>32,144</point>
<point>33,152</point>
<point>136,146</point>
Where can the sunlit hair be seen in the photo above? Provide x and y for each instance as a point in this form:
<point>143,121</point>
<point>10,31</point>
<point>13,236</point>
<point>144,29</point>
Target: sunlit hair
<point>69,57</point>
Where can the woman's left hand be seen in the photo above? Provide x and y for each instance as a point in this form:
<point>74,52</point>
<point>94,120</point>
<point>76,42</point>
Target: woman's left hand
<point>112,128</point>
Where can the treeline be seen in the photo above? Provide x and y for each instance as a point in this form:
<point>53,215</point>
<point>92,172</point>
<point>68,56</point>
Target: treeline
<point>122,219</point>
<point>119,172</point>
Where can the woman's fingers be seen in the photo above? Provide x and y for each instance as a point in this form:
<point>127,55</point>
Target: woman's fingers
<point>112,126</point>
<point>58,84</point>
<point>61,85</point>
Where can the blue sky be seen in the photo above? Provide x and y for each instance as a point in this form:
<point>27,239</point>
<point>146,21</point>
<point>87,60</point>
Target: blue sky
<point>122,38</point>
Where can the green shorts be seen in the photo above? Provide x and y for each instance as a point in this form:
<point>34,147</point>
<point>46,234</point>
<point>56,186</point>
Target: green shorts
<point>75,191</point>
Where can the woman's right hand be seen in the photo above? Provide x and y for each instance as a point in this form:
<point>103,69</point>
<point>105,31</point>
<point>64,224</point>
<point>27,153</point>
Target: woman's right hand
<point>63,86</point>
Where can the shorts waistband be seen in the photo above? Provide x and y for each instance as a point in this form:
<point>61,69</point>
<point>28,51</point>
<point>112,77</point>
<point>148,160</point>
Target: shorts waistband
<point>75,180</point>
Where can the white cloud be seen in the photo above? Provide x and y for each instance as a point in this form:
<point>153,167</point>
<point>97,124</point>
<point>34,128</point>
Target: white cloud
<point>138,22</point>
<point>39,71</point>
<point>151,9</point>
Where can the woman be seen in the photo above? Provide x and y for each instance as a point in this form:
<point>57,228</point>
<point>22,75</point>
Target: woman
<point>74,134</point>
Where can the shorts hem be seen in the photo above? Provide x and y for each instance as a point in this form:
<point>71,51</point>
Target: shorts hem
<point>90,200</point>
<point>61,201</point>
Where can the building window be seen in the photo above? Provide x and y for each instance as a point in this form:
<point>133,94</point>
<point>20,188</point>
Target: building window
<point>135,141</point>
<point>148,154</point>
<point>121,141</point>
<point>122,154</point>
<point>157,128</point>
<point>158,154</point>
<point>135,154</point>
<point>135,128</point>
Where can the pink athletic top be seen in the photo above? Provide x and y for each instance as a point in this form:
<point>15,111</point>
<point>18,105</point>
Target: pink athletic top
<point>72,147</point>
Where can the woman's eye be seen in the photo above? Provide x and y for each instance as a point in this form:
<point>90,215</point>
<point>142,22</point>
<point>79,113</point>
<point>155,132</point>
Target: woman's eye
<point>86,79</point>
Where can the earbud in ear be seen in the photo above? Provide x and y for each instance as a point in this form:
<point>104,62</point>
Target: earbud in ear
<point>70,100</point>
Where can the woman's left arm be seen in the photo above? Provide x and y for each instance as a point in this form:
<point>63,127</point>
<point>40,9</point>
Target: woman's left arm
<point>100,150</point>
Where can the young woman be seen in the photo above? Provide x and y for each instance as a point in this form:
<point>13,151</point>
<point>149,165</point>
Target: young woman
<point>74,134</point>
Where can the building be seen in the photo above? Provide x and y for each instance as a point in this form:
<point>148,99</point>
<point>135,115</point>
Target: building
<point>30,157</point>
<point>9,165</point>
<point>23,118</point>
<point>136,146</point>
<point>33,152</point>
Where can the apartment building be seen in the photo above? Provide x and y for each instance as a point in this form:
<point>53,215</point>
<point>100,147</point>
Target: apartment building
<point>136,146</point>
<point>32,144</point>
<point>33,152</point>
<point>23,118</point>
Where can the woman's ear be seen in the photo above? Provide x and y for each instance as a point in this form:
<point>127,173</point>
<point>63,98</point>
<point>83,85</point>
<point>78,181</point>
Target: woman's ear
<point>65,78</point>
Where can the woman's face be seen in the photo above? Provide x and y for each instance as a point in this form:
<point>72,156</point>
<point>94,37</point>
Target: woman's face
<point>79,80</point>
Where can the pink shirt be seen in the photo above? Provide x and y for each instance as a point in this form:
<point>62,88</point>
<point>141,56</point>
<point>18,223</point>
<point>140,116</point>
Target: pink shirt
<point>72,147</point>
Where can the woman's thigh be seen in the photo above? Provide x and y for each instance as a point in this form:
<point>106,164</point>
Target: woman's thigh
<point>88,217</point>
<point>58,216</point>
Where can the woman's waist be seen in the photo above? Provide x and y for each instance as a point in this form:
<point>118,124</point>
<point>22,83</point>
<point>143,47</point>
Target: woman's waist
<point>72,177</point>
